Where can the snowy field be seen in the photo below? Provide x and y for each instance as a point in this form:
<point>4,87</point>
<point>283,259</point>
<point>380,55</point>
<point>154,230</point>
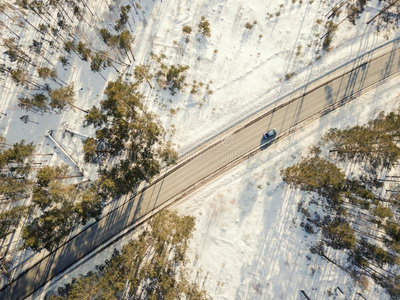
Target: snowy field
<point>245,239</point>
<point>244,68</point>
<point>248,243</point>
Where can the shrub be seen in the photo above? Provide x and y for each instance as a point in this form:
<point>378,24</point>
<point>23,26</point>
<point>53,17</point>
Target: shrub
<point>249,26</point>
<point>383,212</point>
<point>331,28</point>
<point>204,27</point>
<point>289,75</point>
<point>187,29</point>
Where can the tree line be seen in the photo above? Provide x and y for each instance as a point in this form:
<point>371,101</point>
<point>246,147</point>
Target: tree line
<point>127,131</point>
<point>128,144</point>
<point>355,218</point>
<point>55,206</point>
<point>153,266</point>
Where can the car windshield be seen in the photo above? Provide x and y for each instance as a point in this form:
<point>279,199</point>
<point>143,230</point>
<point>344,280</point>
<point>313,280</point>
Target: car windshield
<point>270,133</point>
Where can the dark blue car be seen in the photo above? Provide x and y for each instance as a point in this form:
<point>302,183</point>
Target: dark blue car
<point>269,136</point>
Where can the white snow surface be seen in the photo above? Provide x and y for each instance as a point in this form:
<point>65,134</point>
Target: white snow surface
<point>247,72</point>
<point>245,237</point>
<point>247,243</point>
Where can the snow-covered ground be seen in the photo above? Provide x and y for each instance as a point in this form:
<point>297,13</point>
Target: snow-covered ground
<point>248,243</point>
<point>246,71</point>
<point>247,68</point>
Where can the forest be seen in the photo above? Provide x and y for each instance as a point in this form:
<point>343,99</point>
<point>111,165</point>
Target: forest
<point>153,266</point>
<point>42,206</point>
<point>355,214</point>
<point>45,204</point>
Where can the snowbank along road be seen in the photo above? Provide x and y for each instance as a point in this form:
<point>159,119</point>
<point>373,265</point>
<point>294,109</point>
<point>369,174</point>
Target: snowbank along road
<point>311,101</point>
